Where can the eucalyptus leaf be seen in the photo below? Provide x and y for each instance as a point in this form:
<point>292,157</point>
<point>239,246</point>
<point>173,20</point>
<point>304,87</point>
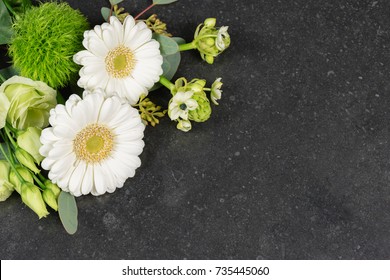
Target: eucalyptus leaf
<point>8,72</point>
<point>105,13</point>
<point>171,57</point>
<point>5,24</point>
<point>163,2</point>
<point>168,46</point>
<point>170,66</point>
<point>115,2</point>
<point>178,40</point>
<point>67,209</point>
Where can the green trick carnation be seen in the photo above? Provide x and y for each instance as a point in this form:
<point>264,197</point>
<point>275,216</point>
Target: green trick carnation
<point>44,42</point>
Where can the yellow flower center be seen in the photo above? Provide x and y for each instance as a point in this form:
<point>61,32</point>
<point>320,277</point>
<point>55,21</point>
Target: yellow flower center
<point>120,62</point>
<point>94,143</point>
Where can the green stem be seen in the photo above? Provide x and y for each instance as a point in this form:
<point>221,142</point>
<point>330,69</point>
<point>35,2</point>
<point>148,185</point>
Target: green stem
<point>11,164</point>
<point>187,46</point>
<point>38,181</point>
<point>166,83</point>
<point>7,131</point>
<point>207,89</point>
<point>144,11</point>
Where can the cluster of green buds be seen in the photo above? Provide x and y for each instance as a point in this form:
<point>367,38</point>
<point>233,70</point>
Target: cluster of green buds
<point>149,111</point>
<point>209,40</point>
<point>120,13</point>
<point>24,111</point>
<point>189,101</point>
<point>157,26</point>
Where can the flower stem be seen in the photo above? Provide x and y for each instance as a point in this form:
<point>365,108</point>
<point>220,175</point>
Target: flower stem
<point>11,164</point>
<point>166,83</point>
<point>144,11</point>
<point>38,181</point>
<point>187,46</point>
<point>7,131</point>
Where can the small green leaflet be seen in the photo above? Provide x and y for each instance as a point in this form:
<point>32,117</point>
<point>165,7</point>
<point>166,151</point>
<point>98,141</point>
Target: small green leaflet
<point>171,57</point>
<point>67,209</point>
<point>5,24</point>
<point>8,72</point>
<point>179,41</point>
<point>168,46</point>
<point>115,2</point>
<point>163,2</point>
<point>105,13</point>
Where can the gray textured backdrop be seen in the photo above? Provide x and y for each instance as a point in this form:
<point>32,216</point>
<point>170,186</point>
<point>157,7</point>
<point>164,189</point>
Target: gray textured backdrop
<point>293,164</point>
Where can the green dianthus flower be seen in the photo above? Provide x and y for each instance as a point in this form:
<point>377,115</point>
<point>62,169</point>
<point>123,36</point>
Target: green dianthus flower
<point>44,42</point>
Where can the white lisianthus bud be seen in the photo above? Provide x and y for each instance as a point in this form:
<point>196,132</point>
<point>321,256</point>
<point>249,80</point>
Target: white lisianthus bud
<point>29,141</point>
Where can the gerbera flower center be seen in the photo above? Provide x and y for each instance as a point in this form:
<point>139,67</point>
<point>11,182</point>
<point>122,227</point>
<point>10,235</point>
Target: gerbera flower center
<point>120,62</point>
<point>94,143</point>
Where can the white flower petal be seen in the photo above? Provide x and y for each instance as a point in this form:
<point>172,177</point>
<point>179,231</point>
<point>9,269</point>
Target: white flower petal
<point>79,171</point>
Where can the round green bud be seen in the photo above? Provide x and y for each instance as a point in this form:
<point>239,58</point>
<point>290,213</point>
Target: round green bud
<point>210,22</point>
<point>203,112</point>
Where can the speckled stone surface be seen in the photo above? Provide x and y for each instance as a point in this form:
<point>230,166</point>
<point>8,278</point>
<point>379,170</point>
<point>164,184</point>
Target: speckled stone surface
<point>293,164</point>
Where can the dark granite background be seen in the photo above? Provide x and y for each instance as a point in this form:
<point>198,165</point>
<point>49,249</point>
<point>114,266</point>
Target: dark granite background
<point>293,164</point>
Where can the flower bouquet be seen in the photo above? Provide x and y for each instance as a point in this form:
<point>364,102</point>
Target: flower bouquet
<point>53,150</point>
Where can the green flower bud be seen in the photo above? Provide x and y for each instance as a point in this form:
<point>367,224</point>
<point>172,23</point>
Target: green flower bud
<point>14,179</point>
<point>210,22</point>
<point>53,187</point>
<point>184,125</point>
<point>32,197</point>
<point>30,102</point>
<point>6,188</point>
<point>29,141</point>
<point>210,40</point>
<point>196,85</point>
<point>203,112</point>
<point>26,159</point>
<point>50,199</point>
<point>4,106</point>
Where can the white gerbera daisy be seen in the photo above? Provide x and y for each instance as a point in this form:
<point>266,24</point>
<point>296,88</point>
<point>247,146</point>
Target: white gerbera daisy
<point>180,104</point>
<point>120,58</point>
<point>93,144</point>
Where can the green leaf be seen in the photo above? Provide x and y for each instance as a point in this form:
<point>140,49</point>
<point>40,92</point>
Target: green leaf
<point>178,40</point>
<point>5,24</point>
<point>168,46</point>
<point>163,2</point>
<point>67,210</point>
<point>105,13</point>
<point>8,72</point>
<point>115,2</point>
<point>171,56</point>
